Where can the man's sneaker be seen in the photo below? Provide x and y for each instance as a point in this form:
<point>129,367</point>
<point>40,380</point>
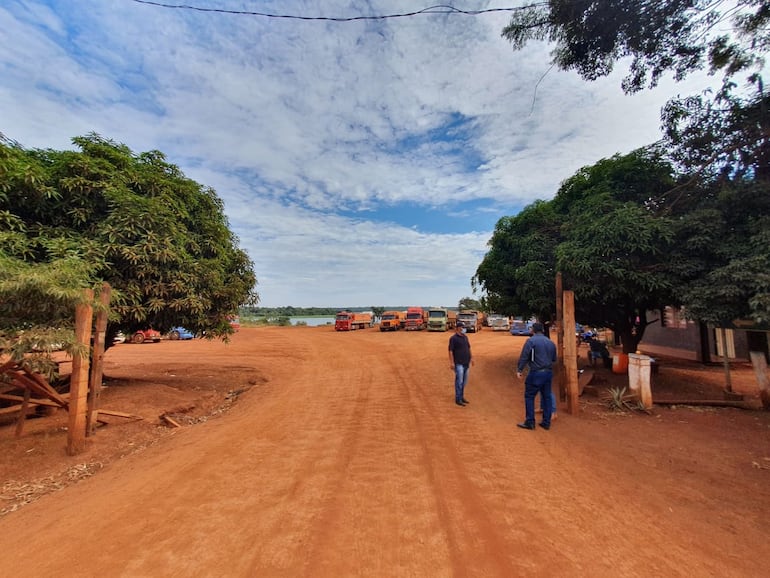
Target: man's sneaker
<point>526,425</point>
<point>459,402</point>
<point>545,427</point>
<point>464,400</point>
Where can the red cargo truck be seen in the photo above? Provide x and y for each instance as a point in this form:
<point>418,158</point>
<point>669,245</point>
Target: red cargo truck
<point>416,319</point>
<point>347,321</point>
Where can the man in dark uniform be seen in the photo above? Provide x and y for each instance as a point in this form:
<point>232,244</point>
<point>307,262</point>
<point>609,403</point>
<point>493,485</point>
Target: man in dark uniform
<point>460,360</point>
<point>540,354</point>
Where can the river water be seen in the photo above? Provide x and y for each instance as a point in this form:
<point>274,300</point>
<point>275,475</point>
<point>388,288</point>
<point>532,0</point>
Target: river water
<point>313,321</point>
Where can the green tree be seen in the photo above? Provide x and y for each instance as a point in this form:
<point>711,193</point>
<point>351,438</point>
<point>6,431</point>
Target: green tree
<point>469,303</point>
<point>378,311</point>
<point>517,273</point>
<point>134,220</point>
<point>37,308</point>
<point>726,138</point>
<point>721,257</point>
<point>678,36</point>
<point>603,233</point>
<point>719,140</point>
<point>710,133</point>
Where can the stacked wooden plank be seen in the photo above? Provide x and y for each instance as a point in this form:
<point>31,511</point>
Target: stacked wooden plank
<point>37,392</point>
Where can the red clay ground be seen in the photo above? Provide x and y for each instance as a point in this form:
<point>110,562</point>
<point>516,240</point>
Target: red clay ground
<point>306,452</point>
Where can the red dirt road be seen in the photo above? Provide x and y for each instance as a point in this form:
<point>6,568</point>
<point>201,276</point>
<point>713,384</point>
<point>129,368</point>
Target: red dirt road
<point>349,458</point>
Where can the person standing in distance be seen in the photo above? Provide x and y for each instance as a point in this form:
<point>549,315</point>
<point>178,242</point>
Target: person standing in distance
<point>460,360</point>
<point>539,353</point>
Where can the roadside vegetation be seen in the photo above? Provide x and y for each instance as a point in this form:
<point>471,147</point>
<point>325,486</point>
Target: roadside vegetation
<point>682,222</point>
<point>73,219</point>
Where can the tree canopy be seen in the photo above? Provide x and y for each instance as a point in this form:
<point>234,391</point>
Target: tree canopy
<point>517,272</point>
<point>655,36</point>
<point>469,303</point>
<point>631,235</point>
<point>689,229</point>
<point>72,219</point>
<point>720,131</point>
<point>602,232</point>
<point>720,260</point>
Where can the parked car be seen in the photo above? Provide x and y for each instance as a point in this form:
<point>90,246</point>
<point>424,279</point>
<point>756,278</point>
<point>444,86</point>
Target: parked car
<point>235,322</point>
<point>519,328</point>
<point>146,335</point>
<point>180,333</point>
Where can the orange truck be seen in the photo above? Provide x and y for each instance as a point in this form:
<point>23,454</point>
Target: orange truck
<point>416,319</point>
<point>348,321</point>
<point>392,320</point>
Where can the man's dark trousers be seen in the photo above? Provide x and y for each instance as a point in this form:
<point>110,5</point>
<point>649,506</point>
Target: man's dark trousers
<point>538,382</point>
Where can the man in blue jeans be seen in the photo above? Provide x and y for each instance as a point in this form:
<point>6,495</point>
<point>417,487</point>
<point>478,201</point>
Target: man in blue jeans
<point>539,353</point>
<point>460,360</point>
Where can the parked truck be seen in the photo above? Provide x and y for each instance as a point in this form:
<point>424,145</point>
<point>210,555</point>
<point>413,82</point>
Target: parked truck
<point>470,319</point>
<point>392,320</point>
<point>499,322</point>
<point>348,321</point>
<point>416,319</point>
<point>441,319</point>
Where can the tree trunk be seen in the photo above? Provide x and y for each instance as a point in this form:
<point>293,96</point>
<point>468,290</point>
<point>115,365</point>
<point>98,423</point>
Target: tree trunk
<point>705,350</point>
<point>629,340</point>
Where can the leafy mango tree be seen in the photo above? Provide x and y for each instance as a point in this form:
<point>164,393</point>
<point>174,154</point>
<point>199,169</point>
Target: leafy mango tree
<point>518,271</point>
<point>721,257</point>
<point>603,232</point>
<point>73,219</point>
<point>719,139</point>
<point>37,306</point>
<point>469,303</point>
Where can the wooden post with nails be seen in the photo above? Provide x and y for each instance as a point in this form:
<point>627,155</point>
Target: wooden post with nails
<point>559,373</point>
<point>570,354</point>
<point>76,433</point>
<point>97,367</point>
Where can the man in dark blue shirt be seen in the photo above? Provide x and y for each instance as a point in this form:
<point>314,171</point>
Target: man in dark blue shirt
<point>540,354</point>
<point>460,359</point>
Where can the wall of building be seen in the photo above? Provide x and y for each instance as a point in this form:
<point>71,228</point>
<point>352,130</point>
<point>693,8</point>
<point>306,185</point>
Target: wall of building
<point>675,336</point>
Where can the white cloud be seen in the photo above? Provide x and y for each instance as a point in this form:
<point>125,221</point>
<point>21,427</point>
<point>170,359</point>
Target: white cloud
<point>306,129</point>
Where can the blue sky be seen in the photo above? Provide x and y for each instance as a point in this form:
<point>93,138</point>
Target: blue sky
<point>362,163</point>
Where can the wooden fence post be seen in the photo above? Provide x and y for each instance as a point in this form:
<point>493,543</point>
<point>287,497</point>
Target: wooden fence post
<point>759,363</point>
<point>570,355</point>
<point>97,369</point>
<point>560,374</point>
<point>76,434</point>
<point>23,412</point>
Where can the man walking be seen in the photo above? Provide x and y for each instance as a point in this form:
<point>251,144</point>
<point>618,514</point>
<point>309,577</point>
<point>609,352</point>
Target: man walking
<point>460,360</point>
<point>540,354</point>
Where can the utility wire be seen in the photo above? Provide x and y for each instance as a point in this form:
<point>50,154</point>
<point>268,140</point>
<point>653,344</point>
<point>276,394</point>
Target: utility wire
<point>438,9</point>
